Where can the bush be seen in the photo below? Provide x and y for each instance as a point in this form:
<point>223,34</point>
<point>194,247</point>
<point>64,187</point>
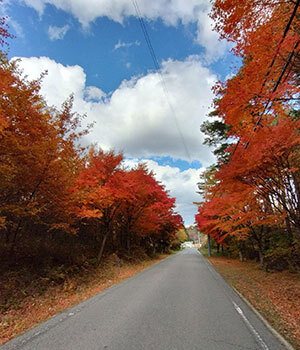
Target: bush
<point>280,259</point>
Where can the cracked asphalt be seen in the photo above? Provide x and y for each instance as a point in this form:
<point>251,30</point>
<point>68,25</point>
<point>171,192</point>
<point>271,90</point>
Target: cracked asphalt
<point>179,303</point>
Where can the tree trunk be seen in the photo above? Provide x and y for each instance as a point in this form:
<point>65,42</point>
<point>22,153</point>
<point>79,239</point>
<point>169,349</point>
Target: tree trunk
<point>128,244</point>
<point>99,257</point>
<point>7,233</point>
<point>209,245</point>
<point>288,228</point>
<point>241,255</point>
<point>14,240</point>
<point>297,233</point>
<point>261,258</point>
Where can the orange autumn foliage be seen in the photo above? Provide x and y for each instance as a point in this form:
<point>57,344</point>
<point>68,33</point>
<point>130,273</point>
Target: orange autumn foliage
<point>265,34</point>
<point>122,202</point>
<point>52,191</point>
<point>259,186</point>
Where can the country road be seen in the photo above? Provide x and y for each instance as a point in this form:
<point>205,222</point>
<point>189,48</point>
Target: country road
<point>179,303</point>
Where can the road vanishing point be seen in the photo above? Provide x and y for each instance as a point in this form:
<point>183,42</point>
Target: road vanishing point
<point>181,303</point>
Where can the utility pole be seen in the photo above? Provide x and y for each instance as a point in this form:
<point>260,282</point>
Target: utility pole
<point>208,245</point>
<point>208,236</point>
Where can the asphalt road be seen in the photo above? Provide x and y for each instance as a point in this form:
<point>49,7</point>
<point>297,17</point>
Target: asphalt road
<point>180,303</point>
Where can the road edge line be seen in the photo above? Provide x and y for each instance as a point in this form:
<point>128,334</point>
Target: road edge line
<point>250,327</point>
<point>282,340</point>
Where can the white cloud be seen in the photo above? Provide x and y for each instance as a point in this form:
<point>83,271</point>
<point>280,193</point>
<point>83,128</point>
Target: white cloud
<point>38,5</point>
<point>181,184</point>
<point>121,44</point>
<point>16,27</point>
<point>136,118</point>
<point>12,23</point>
<point>58,33</point>
<point>206,37</point>
<point>59,83</point>
<point>170,11</point>
<point>229,76</point>
<point>94,93</point>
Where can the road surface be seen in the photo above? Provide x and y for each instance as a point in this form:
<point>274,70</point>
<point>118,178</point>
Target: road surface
<point>180,303</point>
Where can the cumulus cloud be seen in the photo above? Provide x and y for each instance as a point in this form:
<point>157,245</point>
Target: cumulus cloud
<point>58,33</point>
<point>208,38</point>
<point>59,83</point>
<point>121,44</point>
<point>136,118</point>
<point>94,93</point>
<point>181,184</point>
<point>171,12</point>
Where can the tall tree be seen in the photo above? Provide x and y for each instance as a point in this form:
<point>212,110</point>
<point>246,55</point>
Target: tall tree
<point>38,154</point>
<point>257,186</point>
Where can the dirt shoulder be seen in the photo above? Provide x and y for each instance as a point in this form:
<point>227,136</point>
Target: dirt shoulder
<point>38,301</point>
<point>276,295</point>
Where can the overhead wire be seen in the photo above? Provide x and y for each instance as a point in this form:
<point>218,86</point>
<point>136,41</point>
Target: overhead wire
<point>163,82</point>
<point>287,62</point>
<point>166,91</point>
<point>286,29</point>
<point>270,102</point>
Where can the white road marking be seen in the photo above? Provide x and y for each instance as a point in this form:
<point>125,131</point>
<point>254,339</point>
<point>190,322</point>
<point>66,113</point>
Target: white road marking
<point>252,329</point>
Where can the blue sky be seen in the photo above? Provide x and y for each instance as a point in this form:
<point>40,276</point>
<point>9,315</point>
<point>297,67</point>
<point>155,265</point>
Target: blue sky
<point>96,50</point>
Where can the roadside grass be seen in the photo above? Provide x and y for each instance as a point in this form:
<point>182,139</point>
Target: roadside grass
<point>28,302</point>
<point>276,295</point>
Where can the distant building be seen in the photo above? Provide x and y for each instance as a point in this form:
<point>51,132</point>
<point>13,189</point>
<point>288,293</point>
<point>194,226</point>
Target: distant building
<point>188,244</point>
<point>193,232</point>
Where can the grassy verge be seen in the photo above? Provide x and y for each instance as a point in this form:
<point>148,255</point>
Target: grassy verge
<point>275,295</point>
<point>37,299</point>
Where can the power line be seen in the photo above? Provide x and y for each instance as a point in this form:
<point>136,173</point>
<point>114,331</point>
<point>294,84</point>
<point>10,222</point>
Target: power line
<point>267,107</point>
<point>287,28</point>
<point>157,68</point>
<point>287,62</point>
<point>146,35</point>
